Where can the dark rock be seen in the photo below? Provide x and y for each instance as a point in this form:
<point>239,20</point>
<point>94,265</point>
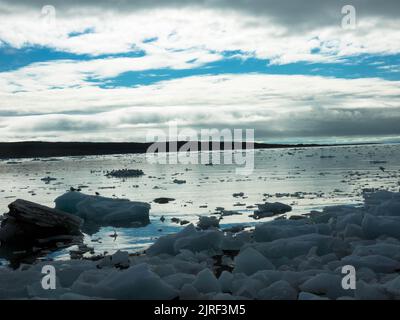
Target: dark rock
<point>125,173</point>
<point>177,181</point>
<point>163,200</point>
<point>175,220</point>
<point>269,209</point>
<point>297,217</point>
<point>29,222</point>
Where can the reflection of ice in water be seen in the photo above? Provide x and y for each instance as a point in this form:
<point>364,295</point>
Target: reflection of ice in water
<point>304,178</point>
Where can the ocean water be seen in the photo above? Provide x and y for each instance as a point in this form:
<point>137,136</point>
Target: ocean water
<point>305,178</point>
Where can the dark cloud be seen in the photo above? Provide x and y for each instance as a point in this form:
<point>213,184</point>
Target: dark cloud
<point>336,122</point>
<point>65,125</point>
<point>310,13</point>
<point>322,123</point>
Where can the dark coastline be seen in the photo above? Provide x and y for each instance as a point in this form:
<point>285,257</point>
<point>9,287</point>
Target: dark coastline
<point>36,149</point>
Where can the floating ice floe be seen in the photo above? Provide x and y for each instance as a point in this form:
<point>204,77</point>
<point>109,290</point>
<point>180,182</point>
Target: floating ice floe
<point>163,200</point>
<point>104,211</point>
<point>177,181</point>
<point>270,209</point>
<point>125,173</point>
<point>208,222</point>
<point>283,259</point>
<point>48,179</point>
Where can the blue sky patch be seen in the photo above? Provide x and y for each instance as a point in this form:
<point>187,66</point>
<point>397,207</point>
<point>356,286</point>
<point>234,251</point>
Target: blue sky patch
<point>234,62</point>
<point>353,68</point>
<point>12,58</point>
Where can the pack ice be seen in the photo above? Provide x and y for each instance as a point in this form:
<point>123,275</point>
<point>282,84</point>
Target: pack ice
<point>282,259</point>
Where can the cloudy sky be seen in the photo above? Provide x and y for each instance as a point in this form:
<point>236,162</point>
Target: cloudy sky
<point>113,70</point>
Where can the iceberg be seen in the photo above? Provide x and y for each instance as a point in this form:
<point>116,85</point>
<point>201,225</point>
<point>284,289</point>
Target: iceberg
<point>104,211</point>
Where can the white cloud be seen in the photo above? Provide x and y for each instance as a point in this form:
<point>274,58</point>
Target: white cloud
<point>272,104</point>
<point>199,29</point>
<point>54,100</point>
<point>69,73</point>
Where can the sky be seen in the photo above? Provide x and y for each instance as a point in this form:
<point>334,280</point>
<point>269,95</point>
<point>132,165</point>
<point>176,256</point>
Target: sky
<point>116,70</point>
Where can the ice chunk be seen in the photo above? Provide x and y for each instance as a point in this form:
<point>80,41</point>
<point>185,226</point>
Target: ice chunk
<point>301,245</point>
<point>74,296</point>
<point>326,284</point>
<point>388,208</point>
<point>187,267</point>
<point>164,269</point>
<point>366,274</point>
<point>372,199</point>
<point>104,211</point>
<point>136,282</point>
<point>208,222</point>
<point>393,287</point>
<point>189,292</point>
<point>353,230</point>
<point>310,296</point>
<point>352,218</point>
<point>189,238</point>
<point>13,284</point>
<point>207,240</point>
<point>225,281</point>
<point>304,256</point>
<point>125,173</point>
<point>118,259</point>
<point>365,291</point>
<point>206,282</point>
<point>223,296</point>
<point>279,229</point>
<point>376,263</point>
<point>250,261</point>
<point>178,280</point>
<point>230,242</point>
<point>267,277</point>
<point>166,243</point>
<point>269,209</point>
<point>280,290</point>
<point>70,271</point>
<point>295,278</point>
<point>86,284</point>
<point>35,290</point>
<point>376,226</point>
<point>68,202</point>
<point>381,248</point>
<point>247,288</point>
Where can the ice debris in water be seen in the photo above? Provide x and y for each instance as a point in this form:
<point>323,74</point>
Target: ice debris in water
<point>125,173</point>
<point>282,259</point>
<point>208,222</point>
<point>104,211</point>
<point>269,209</point>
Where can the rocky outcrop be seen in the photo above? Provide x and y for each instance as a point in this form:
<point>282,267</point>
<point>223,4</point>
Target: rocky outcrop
<point>31,223</point>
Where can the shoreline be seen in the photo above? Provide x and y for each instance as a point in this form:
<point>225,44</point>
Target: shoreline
<point>41,149</point>
<point>281,259</point>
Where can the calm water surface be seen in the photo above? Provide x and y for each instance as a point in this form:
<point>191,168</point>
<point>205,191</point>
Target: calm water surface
<point>306,178</point>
